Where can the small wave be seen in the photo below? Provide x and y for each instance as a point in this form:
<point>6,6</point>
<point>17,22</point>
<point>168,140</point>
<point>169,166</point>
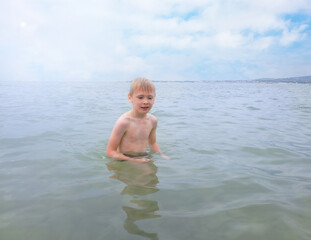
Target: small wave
<point>268,151</point>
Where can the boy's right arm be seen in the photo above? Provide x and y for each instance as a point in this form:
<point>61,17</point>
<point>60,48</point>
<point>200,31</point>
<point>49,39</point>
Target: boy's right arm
<point>114,142</point>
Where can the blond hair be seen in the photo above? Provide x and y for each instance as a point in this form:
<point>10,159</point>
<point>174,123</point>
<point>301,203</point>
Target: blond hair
<point>142,83</point>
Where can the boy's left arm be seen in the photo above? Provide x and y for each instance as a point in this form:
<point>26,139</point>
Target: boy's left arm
<point>153,145</point>
<point>153,142</point>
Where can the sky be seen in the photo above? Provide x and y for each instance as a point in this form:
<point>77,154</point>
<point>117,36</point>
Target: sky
<point>164,40</point>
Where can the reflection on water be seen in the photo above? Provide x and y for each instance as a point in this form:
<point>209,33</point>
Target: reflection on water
<point>140,180</point>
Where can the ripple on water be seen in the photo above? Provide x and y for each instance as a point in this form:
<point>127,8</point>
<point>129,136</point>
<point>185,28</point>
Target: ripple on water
<point>268,152</point>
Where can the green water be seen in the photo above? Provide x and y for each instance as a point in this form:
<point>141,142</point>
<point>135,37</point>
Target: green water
<point>239,169</point>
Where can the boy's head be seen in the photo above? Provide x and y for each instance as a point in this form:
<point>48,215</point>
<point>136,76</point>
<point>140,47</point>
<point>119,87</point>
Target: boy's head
<point>142,83</point>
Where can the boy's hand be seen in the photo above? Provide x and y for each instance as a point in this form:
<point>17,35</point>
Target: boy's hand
<point>164,156</point>
<point>141,160</point>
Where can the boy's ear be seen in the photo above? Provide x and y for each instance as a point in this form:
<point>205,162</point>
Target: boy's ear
<point>129,98</point>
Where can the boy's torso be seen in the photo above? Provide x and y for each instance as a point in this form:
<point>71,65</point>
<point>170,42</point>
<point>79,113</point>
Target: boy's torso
<point>136,136</point>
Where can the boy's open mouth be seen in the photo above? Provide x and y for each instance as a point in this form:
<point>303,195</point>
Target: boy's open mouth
<point>145,108</point>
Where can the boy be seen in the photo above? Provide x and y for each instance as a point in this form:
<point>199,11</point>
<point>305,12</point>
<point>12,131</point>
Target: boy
<point>135,129</point>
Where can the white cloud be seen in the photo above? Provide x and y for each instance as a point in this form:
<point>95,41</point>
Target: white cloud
<point>292,35</point>
<point>262,43</point>
<point>79,39</point>
<point>229,40</point>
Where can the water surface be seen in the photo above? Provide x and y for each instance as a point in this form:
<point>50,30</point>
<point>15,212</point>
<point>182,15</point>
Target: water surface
<point>240,163</point>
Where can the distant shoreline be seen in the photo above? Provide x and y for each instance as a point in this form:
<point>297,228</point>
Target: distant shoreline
<point>304,79</point>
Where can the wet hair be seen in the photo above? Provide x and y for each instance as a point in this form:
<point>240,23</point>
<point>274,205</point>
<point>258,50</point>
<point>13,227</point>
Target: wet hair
<point>142,83</point>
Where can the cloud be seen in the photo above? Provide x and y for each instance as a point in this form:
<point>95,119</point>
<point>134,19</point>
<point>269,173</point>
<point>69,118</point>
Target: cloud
<point>107,40</point>
<point>292,35</point>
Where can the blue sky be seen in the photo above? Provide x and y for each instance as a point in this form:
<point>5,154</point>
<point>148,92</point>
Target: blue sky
<point>103,40</point>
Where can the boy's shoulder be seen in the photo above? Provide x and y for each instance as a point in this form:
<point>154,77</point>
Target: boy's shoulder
<point>126,119</point>
<point>128,116</point>
<point>152,118</point>
<point>123,120</point>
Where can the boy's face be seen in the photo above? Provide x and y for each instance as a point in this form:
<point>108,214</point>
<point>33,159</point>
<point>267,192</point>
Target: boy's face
<point>142,100</point>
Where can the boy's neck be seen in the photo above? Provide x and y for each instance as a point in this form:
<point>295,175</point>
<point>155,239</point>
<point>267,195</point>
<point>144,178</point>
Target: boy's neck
<point>137,115</point>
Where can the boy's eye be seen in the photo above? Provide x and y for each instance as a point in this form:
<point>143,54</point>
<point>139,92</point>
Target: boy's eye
<point>150,98</point>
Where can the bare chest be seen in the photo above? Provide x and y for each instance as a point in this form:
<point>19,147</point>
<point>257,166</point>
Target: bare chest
<point>138,131</point>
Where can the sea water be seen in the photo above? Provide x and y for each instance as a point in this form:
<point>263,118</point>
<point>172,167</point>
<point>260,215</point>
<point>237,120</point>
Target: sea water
<point>239,168</point>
